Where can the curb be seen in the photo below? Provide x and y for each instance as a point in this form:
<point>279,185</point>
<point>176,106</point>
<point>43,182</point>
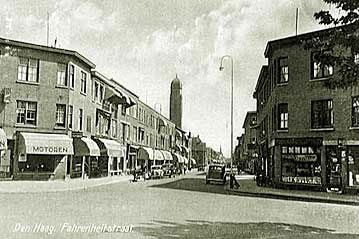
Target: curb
<point>292,197</point>
<point>67,186</point>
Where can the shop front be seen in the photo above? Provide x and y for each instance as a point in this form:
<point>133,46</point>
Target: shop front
<point>342,166</point>
<point>167,156</point>
<point>145,157</point>
<point>112,160</point>
<point>85,162</point>
<point>178,161</point>
<point>42,156</point>
<point>299,161</point>
<point>4,156</point>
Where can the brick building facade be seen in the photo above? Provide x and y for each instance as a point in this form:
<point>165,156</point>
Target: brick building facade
<point>307,133</point>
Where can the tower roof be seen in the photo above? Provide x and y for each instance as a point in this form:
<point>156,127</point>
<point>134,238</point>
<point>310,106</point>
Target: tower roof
<point>176,83</point>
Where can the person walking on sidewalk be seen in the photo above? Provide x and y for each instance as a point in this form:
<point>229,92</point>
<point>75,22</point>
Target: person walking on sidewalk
<point>233,181</point>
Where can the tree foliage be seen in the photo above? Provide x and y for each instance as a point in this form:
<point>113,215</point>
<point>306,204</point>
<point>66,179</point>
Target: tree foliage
<point>339,47</point>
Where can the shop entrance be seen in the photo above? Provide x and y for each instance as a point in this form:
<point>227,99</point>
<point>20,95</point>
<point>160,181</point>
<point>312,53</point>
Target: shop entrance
<point>334,167</point>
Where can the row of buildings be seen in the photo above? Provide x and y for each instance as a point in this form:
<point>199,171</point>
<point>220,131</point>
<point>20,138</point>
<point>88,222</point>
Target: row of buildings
<point>60,118</point>
<point>303,134</point>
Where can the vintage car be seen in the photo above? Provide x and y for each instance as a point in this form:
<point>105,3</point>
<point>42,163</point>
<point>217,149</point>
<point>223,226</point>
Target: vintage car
<point>156,171</point>
<point>169,170</point>
<point>216,173</point>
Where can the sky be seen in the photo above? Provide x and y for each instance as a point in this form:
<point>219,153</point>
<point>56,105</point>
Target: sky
<point>143,44</point>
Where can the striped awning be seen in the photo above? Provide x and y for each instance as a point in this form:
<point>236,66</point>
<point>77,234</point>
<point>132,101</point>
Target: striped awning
<point>111,148</point>
<point>85,147</point>
<point>167,155</point>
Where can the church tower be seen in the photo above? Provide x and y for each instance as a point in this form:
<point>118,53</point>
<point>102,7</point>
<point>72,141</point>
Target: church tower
<point>176,102</point>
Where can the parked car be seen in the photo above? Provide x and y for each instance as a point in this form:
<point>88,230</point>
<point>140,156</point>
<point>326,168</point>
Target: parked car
<point>156,171</point>
<point>169,170</point>
<point>216,173</point>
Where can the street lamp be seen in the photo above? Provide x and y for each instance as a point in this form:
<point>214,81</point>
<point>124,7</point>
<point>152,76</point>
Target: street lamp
<point>221,68</point>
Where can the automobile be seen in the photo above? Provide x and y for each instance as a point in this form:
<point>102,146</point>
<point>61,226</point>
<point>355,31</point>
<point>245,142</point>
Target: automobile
<point>234,170</point>
<point>169,170</point>
<point>216,173</point>
<point>156,171</point>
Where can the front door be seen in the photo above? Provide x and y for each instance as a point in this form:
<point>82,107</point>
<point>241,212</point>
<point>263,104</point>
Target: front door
<point>334,168</point>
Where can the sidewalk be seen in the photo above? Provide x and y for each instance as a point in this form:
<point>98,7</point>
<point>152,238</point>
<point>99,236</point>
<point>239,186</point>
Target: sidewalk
<point>58,185</point>
<point>248,187</point>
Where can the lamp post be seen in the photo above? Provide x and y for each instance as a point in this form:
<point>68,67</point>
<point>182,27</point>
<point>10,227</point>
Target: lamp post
<point>221,68</point>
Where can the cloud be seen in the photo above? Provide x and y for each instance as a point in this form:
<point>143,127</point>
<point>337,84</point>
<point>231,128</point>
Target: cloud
<point>144,45</point>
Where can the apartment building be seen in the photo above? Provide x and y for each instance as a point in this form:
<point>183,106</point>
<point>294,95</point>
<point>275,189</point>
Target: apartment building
<point>62,118</point>
<point>307,134</point>
<point>248,150</point>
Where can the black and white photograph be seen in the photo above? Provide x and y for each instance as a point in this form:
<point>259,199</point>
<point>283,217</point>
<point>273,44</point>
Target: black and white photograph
<point>159,119</point>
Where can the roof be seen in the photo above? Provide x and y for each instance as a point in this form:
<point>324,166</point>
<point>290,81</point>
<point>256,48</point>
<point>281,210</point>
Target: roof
<point>176,83</point>
<point>248,115</point>
<point>111,82</point>
<point>262,75</point>
<point>298,38</point>
<point>48,49</point>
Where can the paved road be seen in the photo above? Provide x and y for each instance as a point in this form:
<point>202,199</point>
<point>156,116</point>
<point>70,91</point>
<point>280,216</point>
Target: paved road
<point>184,207</point>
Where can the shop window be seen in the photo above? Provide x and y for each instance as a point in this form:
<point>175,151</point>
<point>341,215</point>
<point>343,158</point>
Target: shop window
<point>322,114</point>
<point>283,116</point>
<point>72,76</point>
<point>283,70</point>
<point>61,74</point>
<point>26,112</point>
<point>28,70</point>
<point>300,165</point>
<point>60,115</point>
<point>320,70</point>
<point>355,111</point>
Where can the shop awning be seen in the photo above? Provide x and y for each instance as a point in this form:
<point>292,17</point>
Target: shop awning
<point>193,161</point>
<point>85,147</point>
<point>167,155</point>
<point>113,96</point>
<point>178,158</point>
<point>3,140</point>
<point>111,148</point>
<point>145,153</point>
<point>159,155</point>
<point>185,160</point>
<point>55,144</point>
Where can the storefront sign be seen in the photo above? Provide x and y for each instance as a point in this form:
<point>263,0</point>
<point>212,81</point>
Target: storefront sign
<point>306,158</point>
<point>302,180</point>
<point>48,150</point>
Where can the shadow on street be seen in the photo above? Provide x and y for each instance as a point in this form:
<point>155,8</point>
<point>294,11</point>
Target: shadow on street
<point>205,229</point>
<point>194,184</point>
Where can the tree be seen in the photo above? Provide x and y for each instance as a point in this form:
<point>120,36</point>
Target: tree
<point>339,47</point>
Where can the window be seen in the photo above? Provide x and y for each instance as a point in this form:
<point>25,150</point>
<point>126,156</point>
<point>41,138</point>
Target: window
<point>60,115</point>
<point>283,116</point>
<point>26,112</point>
<point>80,119</point>
<point>355,111</point>
<point>71,116</point>
<point>27,70</point>
<point>114,128</point>
<point>283,70</point>
<point>96,91</point>
<point>322,114</point>
<point>72,76</point>
<point>83,82</point>
<point>134,134</point>
<point>89,124</point>
<point>320,70</point>
<point>61,74</point>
